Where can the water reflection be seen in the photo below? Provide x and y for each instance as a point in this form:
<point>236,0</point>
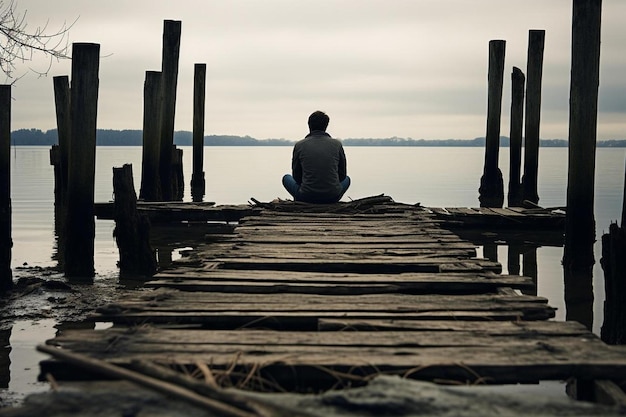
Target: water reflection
<point>519,252</point>
<point>578,290</point>
<point>579,295</point>
<point>167,239</point>
<point>19,360</point>
<point>5,361</point>
<point>529,263</point>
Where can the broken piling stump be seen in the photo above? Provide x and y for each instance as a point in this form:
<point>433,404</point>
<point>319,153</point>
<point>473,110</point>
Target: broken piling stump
<point>132,231</point>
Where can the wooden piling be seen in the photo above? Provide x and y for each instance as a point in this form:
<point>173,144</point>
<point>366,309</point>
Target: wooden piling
<point>529,262</point>
<point>150,176</point>
<point>62,101</point>
<point>169,68</point>
<point>513,256</point>
<point>132,231</point>
<point>6,242</point>
<point>491,185</point>
<point>79,261</point>
<point>613,263</point>
<point>534,71</point>
<point>518,81</point>
<point>178,178</point>
<point>197,176</point>
<point>578,258</point>
<point>490,251</point>
<point>59,156</point>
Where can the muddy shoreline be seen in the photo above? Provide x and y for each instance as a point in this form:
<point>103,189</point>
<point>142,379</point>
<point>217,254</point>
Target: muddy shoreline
<point>41,303</point>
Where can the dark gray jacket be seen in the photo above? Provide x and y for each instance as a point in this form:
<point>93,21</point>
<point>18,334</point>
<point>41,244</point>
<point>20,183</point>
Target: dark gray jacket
<point>319,165</point>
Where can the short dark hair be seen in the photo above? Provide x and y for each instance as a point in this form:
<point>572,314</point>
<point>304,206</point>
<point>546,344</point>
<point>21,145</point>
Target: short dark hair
<point>318,120</point>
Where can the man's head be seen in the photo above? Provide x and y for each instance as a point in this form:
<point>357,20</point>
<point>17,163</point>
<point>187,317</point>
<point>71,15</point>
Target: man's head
<point>318,121</point>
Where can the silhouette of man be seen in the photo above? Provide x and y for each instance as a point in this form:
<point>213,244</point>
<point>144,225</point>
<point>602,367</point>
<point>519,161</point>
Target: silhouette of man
<point>318,165</point>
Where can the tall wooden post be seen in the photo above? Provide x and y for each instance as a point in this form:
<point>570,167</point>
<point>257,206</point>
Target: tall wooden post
<point>491,186</point>
<point>150,176</point>
<point>62,101</point>
<point>534,71</point>
<point>515,145</point>
<point>169,68</point>
<point>6,242</point>
<point>578,258</point>
<point>197,176</point>
<point>79,262</point>
<point>60,160</point>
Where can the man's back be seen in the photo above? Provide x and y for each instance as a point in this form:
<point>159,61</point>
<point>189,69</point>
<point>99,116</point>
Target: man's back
<point>319,165</point>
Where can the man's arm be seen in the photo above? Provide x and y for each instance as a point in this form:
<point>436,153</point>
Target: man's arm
<point>296,166</point>
<point>342,169</point>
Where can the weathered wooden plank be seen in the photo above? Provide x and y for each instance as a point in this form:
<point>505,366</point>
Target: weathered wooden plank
<point>494,364</point>
<point>506,212</point>
<point>132,339</point>
<point>181,211</point>
<point>291,307</point>
<point>566,328</point>
<point>302,321</point>
<point>365,227</point>
<point>465,211</point>
<point>263,219</point>
<point>390,265</point>
<point>370,256</point>
<point>413,223</point>
<point>182,299</point>
<point>348,239</point>
<point>296,276</point>
<point>277,281</point>
<point>256,287</point>
<point>368,244</point>
<point>229,249</point>
<point>307,346</point>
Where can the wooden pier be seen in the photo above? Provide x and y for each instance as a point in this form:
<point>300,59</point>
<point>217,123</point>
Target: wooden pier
<point>304,299</point>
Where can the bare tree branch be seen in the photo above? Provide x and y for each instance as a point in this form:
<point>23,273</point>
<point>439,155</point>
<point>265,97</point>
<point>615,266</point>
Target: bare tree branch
<point>20,44</point>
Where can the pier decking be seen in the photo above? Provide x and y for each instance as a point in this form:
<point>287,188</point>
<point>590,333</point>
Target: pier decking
<point>302,298</point>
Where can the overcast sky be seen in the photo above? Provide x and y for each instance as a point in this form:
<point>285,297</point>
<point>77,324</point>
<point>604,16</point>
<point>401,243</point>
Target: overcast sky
<point>379,68</point>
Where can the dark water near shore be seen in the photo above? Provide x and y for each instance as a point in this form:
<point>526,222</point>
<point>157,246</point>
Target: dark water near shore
<point>436,177</point>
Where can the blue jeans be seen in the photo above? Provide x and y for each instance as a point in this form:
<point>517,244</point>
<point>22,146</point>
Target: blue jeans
<point>293,188</point>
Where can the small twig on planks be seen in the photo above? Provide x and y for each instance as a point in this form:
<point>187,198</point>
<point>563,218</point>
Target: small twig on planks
<point>209,378</point>
<point>54,386</point>
<point>146,381</point>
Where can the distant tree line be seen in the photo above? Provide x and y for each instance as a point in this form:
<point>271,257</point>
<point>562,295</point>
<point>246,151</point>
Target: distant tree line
<point>108,137</point>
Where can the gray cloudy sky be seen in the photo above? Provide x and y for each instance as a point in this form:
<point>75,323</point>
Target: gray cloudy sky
<point>379,68</point>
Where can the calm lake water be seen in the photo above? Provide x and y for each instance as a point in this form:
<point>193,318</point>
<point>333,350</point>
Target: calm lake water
<point>432,176</point>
